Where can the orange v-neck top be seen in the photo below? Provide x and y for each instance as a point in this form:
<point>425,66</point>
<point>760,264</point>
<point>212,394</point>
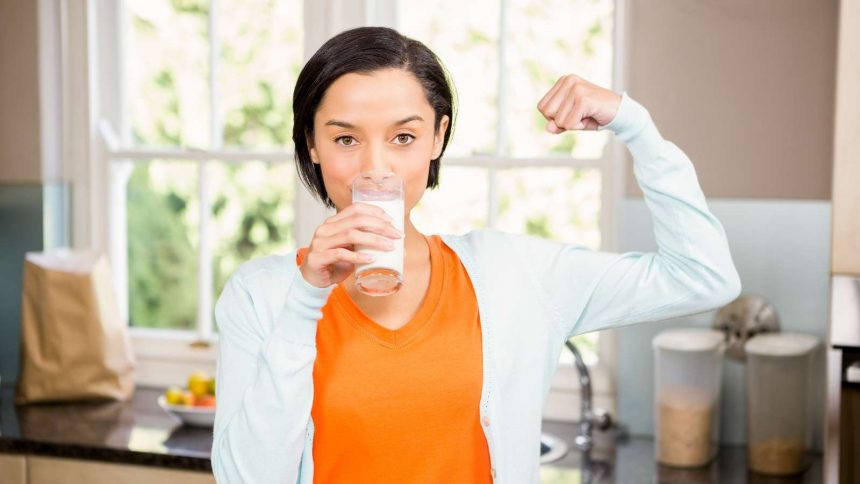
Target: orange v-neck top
<point>401,406</point>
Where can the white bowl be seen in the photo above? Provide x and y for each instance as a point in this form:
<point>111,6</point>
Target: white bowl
<point>196,416</point>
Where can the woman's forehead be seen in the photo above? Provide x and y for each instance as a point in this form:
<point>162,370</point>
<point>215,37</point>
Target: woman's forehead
<point>390,94</point>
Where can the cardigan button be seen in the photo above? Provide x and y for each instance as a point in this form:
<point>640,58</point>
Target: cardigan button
<point>493,472</point>
<point>485,420</point>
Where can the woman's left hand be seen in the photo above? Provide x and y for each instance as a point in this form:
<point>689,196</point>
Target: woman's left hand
<point>574,103</point>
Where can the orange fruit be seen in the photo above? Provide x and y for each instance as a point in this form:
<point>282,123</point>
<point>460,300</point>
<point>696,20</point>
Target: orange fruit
<point>188,398</point>
<point>206,401</point>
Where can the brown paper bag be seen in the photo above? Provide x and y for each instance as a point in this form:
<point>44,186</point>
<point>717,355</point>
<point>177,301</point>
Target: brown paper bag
<point>74,343</point>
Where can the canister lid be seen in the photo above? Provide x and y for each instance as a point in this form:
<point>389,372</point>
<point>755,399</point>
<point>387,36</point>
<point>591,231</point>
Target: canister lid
<point>781,344</point>
<point>689,339</point>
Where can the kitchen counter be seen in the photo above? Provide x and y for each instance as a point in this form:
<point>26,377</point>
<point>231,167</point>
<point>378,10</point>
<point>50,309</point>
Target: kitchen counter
<point>139,432</point>
<point>133,432</point>
<point>631,460</point>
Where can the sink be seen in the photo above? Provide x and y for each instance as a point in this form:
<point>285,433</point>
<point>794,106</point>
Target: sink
<point>552,448</point>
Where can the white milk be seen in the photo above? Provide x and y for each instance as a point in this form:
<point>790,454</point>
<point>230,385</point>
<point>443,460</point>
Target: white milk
<point>386,259</point>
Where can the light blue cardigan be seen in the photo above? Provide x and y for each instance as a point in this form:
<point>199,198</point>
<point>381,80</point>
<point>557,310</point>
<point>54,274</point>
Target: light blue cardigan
<point>533,295</point>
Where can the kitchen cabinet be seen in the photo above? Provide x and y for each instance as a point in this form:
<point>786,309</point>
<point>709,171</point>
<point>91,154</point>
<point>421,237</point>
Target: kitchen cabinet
<point>846,146</point>
<point>13,469</point>
<point>50,470</point>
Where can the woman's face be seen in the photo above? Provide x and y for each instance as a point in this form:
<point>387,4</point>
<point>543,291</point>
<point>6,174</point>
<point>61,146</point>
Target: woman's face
<point>379,121</point>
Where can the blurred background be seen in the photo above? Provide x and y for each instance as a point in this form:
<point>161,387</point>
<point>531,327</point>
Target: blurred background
<point>158,132</point>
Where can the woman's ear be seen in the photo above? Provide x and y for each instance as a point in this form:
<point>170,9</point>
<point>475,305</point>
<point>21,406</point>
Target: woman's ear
<point>313,151</point>
<point>439,137</point>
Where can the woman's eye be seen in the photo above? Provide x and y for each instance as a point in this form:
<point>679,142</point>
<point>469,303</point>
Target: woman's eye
<point>347,140</point>
<point>404,138</point>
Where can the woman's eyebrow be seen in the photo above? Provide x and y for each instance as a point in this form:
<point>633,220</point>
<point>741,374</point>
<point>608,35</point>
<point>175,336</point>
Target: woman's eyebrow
<point>344,124</point>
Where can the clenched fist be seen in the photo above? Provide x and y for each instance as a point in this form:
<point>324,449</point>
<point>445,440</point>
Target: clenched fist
<point>575,104</point>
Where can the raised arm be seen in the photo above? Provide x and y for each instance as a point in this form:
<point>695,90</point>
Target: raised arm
<point>267,319</point>
<point>691,271</point>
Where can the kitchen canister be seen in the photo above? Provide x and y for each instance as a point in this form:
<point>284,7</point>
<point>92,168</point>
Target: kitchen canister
<point>688,365</point>
<point>779,372</point>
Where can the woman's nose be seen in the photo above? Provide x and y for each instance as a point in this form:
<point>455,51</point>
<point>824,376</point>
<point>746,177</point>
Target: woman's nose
<point>375,159</point>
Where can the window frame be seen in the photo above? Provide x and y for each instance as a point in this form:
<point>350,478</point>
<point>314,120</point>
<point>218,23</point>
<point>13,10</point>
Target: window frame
<point>92,94</point>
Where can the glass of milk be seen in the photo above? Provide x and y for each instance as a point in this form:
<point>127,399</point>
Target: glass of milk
<point>383,276</point>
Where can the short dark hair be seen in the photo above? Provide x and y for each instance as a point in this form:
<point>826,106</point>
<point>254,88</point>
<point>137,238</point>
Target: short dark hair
<point>365,50</point>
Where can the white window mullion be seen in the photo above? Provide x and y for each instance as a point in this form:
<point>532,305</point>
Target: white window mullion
<point>204,258</point>
<point>233,156</point>
<point>205,252</point>
<point>509,162</point>
<point>113,130</point>
<point>501,119</point>
<point>227,156</point>
<point>614,172</point>
<point>215,129</point>
<point>493,194</point>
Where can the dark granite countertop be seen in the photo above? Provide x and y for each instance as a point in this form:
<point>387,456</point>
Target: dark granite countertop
<point>133,432</point>
<point>630,460</point>
<point>139,432</point>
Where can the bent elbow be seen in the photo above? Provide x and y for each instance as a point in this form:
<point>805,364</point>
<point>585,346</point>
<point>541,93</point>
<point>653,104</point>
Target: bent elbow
<point>725,289</point>
<point>732,289</point>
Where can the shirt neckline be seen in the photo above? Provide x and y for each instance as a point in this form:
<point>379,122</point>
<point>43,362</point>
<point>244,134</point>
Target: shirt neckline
<point>402,336</point>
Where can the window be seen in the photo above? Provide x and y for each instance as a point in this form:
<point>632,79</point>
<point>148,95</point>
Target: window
<point>193,157</point>
<point>203,86</point>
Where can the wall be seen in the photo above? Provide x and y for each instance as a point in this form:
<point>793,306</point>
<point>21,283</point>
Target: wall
<point>33,202</point>
<point>746,89</point>
<point>19,92</point>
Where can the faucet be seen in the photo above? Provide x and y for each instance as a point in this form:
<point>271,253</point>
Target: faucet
<point>589,418</point>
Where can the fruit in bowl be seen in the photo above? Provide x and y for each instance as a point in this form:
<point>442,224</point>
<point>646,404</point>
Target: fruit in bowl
<point>193,405</point>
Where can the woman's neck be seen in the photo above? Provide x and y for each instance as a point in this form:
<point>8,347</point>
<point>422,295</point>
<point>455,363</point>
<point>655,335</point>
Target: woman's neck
<point>415,249</point>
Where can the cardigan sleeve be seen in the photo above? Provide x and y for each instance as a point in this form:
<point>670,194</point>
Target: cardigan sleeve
<point>691,271</point>
<point>264,377</point>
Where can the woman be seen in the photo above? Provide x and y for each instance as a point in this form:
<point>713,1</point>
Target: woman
<point>445,380</point>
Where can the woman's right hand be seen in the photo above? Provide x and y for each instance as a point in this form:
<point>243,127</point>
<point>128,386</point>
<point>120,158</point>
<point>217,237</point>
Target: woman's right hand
<point>331,256</point>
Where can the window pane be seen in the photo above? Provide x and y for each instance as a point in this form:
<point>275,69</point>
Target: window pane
<point>548,39</point>
<point>556,203</point>
<point>163,223</point>
<point>261,44</point>
<point>457,205</point>
<point>166,67</point>
<point>252,214</point>
<point>587,346</point>
<point>467,44</point>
